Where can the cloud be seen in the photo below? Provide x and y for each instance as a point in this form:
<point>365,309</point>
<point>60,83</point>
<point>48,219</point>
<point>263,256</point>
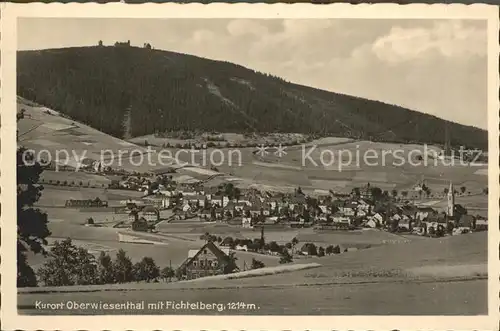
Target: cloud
<point>237,28</point>
<point>445,38</point>
<point>434,66</point>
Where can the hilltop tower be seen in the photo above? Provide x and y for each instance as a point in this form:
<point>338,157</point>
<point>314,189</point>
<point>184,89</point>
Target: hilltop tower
<point>451,200</point>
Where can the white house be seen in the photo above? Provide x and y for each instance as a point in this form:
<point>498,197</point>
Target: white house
<point>150,214</point>
<point>246,222</point>
<point>166,202</point>
<point>379,218</point>
<point>221,201</point>
<point>338,218</point>
<point>186,207</point>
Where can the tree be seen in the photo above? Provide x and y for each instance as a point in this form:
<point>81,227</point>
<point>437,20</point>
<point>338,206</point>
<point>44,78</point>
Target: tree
<point>336,249</point>
<point>90,221</point>
<point>295,241</point>
<point>376,193</point>
<point>446,190</point>
<point>86,270</point>
<point>274,247</point>
<point>146,270</point>
<point>285,257</point>
<point>230,266</point>
<point>228,241</point>
<point>207,237</point>
<point>32,228</point>
<point>167,273</point>
<point>394,193</point>
<point>69,265</point>
<point>311,249</point>
<point>321,251</point>
<point>329,250</point>
<point>404,194</point>
<point>105,269</point>
<point>256,264</point>
<point>122,267</point>
<point>463,189</point>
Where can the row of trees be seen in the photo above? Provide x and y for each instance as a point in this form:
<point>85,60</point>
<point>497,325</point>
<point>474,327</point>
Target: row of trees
<point>71,265</point>
<point>73,183</point>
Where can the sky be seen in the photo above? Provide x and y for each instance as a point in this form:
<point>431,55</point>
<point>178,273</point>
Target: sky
<point>437,67</point>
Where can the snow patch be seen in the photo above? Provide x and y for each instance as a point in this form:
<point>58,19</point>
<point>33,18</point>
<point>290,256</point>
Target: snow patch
<point>243,82</point>
<point>213,89</point>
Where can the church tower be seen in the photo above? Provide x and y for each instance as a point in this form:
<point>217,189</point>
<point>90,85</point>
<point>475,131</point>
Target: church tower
<point>451,200</point>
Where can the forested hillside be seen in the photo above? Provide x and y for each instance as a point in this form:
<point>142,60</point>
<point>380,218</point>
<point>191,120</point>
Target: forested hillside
<point>156,91</point>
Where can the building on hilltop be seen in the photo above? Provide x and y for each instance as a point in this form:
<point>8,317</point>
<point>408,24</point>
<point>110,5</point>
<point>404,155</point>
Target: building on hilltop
<point>122,44</point>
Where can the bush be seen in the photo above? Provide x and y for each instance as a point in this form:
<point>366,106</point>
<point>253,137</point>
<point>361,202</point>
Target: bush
<point>285,257</point>
<point>256,264</point>
<point>321,252</point>
<point>231,263</point>
<point>274,247</point>
<point>167,273</point>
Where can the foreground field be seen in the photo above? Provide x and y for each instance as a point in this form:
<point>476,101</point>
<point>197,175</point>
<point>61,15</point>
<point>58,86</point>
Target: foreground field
<point>405,279</point>
<point>449,298</point>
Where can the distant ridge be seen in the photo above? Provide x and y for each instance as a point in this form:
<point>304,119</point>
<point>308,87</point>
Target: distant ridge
<point>154,91</point>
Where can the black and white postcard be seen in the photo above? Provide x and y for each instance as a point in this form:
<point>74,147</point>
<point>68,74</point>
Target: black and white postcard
<point>277,167</point>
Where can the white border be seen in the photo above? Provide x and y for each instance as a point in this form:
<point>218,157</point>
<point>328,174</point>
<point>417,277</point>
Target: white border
<point>9,317</point>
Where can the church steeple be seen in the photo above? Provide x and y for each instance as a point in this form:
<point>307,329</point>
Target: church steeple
<point>451,200</point>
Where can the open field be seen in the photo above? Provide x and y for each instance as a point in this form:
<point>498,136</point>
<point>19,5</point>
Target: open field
<point>357,283</point>
<point>74,178</point>
<point>435,298</point>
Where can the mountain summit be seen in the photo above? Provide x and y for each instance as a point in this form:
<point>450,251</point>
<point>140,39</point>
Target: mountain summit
<point>130,91</point>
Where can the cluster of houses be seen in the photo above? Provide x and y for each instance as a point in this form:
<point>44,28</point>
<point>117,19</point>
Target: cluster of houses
<point>252,208</point>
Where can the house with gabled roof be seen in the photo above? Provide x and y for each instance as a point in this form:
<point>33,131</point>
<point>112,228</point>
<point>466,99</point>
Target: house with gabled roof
<point>209,260</point>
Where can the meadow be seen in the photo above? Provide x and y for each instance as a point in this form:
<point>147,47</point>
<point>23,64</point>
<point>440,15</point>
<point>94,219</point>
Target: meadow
<point>390,279</point>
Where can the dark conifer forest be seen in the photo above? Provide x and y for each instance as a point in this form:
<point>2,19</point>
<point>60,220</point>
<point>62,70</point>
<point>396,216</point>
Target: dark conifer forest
<point>159,91</point>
